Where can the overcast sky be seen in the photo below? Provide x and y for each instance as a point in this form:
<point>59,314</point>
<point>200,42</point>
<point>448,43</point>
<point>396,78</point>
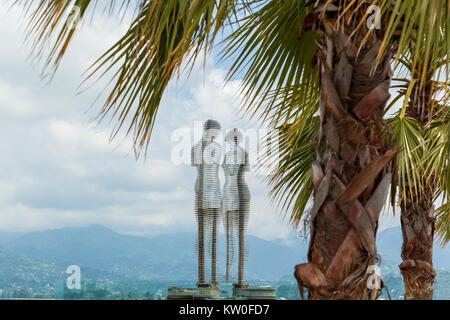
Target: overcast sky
<point>58,168</point>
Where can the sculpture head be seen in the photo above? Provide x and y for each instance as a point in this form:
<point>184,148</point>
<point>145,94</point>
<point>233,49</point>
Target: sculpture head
<point>211,129</point>
<point>234,136</point>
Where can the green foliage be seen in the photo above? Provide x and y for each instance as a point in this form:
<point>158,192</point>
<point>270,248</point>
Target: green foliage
<point>443,223</point>
<point>291,181</point>
<point>277,65</point>
<point>421,127</point>
<point>53,23</point>
<point>163,35</point>
<point>409,140</point>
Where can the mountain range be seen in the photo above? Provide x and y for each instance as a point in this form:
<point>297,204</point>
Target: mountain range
<point>162,257</point>
<point>169,257</point>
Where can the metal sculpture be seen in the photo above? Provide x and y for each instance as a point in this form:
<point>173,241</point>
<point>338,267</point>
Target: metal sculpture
<point>205,156</point>
<point>235,203</point>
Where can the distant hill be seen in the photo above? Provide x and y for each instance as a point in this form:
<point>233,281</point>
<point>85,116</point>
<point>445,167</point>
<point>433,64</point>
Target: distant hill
<point>8,236</point>
<point>163,257</point>
<point>39,258</point>
<point>27,271</point>
<point>172,257</point>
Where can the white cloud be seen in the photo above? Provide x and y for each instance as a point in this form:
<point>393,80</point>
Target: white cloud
<point>16,102</point>
<point>219,99</point>
<point>76,139</point>
<point>168,196</point>
<point>59,169</point>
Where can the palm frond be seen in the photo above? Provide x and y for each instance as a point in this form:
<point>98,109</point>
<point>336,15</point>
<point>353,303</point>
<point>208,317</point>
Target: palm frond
<point>291,180</point>
<point>267,51</point>
<point>443,223</point>
<point>436,161</point>
<point>409,140</point>
<point>419,29</point>
<point>54,23</point>
<point>164,35</point>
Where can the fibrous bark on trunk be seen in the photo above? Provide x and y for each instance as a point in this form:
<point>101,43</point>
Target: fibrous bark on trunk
<point>352,174</point>
<point>417,221</point>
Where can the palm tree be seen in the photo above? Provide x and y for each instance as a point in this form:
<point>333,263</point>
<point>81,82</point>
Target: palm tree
<point>297,57</point>
<point>420,130</point>
<point>350,174</point>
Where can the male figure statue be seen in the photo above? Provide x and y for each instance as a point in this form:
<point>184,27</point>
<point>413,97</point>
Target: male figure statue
<point>206,156</point>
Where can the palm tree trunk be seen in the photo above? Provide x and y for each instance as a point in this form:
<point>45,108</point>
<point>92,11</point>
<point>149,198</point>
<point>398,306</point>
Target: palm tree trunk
<point>351,175</point>
<point>417,219</point>
<point>417,213</point>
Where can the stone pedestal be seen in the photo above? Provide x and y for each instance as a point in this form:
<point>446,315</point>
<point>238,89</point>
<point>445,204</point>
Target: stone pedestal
<point>202,292</point>
<point>244,292</point>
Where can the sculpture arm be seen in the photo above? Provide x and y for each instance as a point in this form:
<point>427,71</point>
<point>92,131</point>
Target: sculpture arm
<point>196,156</point>
<point>247,162</point>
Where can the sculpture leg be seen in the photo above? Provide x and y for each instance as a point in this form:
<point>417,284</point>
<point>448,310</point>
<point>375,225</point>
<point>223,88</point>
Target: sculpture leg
<point>227,229</point>
<point>215,216</point>
<point>241,249</point>
<point>231,226</point>
<point>201,246</point>
<point>244,209</point>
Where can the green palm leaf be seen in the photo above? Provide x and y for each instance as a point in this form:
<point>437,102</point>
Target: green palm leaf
<point>291,180</point>
<point>55,23</point>
<point>443,223</point>
<point>267,51</point>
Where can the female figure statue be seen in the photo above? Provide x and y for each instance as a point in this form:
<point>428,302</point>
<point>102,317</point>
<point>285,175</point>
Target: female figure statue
<point>235,202</point>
